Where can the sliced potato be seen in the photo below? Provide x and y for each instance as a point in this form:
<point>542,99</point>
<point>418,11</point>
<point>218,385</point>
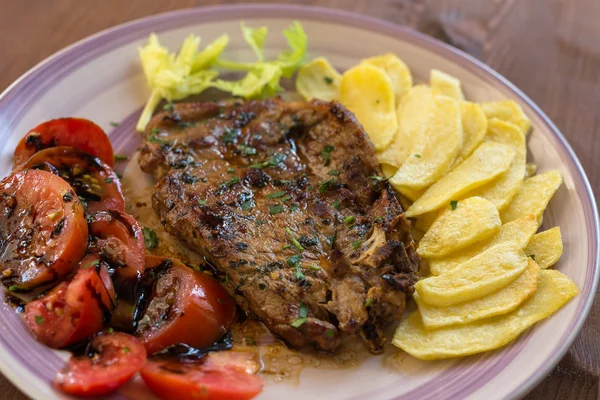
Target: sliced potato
<point>411,194</point>
<point>500,302</point>
<point>435,151</point>
<point>414,110</point>
<point>519,232</point>
<point>446,84</point>
<point>396,70</point>
<point>546,247</point>
<point>388,170</point>
<point>487,162</point>
<point>533,196</point>
<point>501,191</point>
<point>485,273</point>
<point>425,221</point>
<point>317,79</point>
<point>553,291</point>
<point>368,93</point>
<point>472,220</point>
<point>475,125</point>
<point>509,111</point>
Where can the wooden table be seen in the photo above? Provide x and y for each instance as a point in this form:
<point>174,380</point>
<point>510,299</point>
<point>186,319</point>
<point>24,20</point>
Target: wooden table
<point>550,49</point>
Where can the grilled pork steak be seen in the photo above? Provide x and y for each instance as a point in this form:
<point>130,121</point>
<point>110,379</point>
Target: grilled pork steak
<point>286,199</point>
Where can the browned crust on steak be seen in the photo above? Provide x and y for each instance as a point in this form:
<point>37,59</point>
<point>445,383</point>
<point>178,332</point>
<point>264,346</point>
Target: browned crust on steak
<point>221,170</point>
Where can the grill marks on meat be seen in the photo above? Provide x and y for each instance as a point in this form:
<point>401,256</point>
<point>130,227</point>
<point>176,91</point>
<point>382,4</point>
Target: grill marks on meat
<point>280,198</point>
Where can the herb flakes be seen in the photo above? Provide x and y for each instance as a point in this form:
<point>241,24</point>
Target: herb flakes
<point>150,238</point>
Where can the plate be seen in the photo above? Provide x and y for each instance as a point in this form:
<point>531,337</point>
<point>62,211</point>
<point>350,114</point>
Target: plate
<point>100,78</point>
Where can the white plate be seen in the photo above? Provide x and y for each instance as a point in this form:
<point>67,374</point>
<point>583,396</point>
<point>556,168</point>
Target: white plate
<point>100,78</point>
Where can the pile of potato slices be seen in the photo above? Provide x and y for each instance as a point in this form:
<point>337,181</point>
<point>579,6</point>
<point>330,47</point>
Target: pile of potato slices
<point>460,170</point>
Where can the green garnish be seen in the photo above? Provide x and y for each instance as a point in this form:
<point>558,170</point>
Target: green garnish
<point>119,157</point>
<point>39,319</point>
<point>369,302</point>
<point>275,209</point>
<point>91,264</point>
<point>378,219</point>
<point>326,185</point>
<point>150,238</point>
<point>286,198</point>
<point>202,202</point>
<point>336,204</point>
<point>274,195</point>
<point>379,178</point>
<point>293,207</point>
<point>418,155</point>
<point>293,239</point>
<point>108,180</point>
<point>230,182</point>
<point>453,204</point>
<point>246,150</point>
<point>532,256</point>
<point>349,220</point>
<point>329,333</point>
<point>126,349</point>
<point>326,154</point>
<point>246,205</point>
<point>294,260</point>
<point>314,267</point>
<point>356,244</point>
<point>230,170</point>
<point>328,80</point>
<point>299,274</point>
<point>230,135</point>
<point>111,331</point>
<point>302,316</point>
<point>168,106</point>
<point>333,172</point>
<point>286,246</point>
<point>13,288</point>
<point>249,341</point>
<point>114,124</point>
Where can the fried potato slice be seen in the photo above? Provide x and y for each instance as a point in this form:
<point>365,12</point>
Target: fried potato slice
<point>473,220</point>
<point>388,170</point>
<point>533,196</point>
<point>519,232</point>
<point>553,291</point>
<point>546,247</point>
<point>317,79</point>
<point>500,302</point>
<point>530,170</point>
<point>414,110</point>
<point>501,191</point>
<point>447,84</point>
<point>368,93</point>
<point>483,274</point>
<point>425,221</point>
<point>487,162</point>
<point>396,70</point>
<point>435,151</point>
<point>509,111</point>
<point>475,125</point>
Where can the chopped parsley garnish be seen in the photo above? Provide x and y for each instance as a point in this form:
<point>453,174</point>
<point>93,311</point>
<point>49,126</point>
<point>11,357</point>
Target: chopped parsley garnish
<point>119,157</point>
<point>230,182</point>
<point>328,80</point>
<point>274,195</point>
<point>293,207</point>
<point>379,178</point>
<point>378,219</point>
<point>126,349</point>
<point>111,331</point>
<point>39,319</point>
<point>275,209</point>
<point>329,333</point>
<point>286,246</point>
<point>336,204</point>
<point>246,150</point>
<point>302,316</point>
<point>249,341</point>
<point>260,222</point>
<point>299,273</point>
<point>168,106</point>
<point>108,180</point>
<point>349,220</point>
<point>333,172</point>
<point>114,124</point>
<point>369,302</point>
<point>230,135</point>
<point>286,198</point>
<point>326,185</point>
<point>418,155</point>
<point>453,204</point>
<point>246,205</point>
<point>326,154</point>
<point>532,256</point>
<point>13,288</point>
<point>230,170</point>
<point>154,139</point>
<point>295,241</point>
<point>202,202</point>
<point>294,260</point>
<point>314,267</point>
<point>150,238</point>
<point>272,162</point>
<point>91,264</point>
<point>356,244</point>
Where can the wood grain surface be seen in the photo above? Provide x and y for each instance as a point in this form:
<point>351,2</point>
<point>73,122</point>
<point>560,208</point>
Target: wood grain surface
<point>550,49</point>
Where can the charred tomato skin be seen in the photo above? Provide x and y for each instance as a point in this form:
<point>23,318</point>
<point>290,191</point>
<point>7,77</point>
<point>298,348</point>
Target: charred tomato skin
<point>94,181</point>
<point>110,361</point>
<point>73,311</point>
<point>80,133</point>
<point>218,376</point>
<point>43,232</point>
<point>182,306</point>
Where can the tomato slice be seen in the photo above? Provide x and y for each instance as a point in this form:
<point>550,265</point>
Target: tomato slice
<point>183,306</point>
<point>110,361</point>
<point>80,133</point>
<point>119,240</point>
<point>222,375</point>
<point>73,311</point>
<point>43,232</point>
<point>93,180</point>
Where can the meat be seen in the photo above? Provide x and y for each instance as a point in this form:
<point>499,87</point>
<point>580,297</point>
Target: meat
<point>287,201</point>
